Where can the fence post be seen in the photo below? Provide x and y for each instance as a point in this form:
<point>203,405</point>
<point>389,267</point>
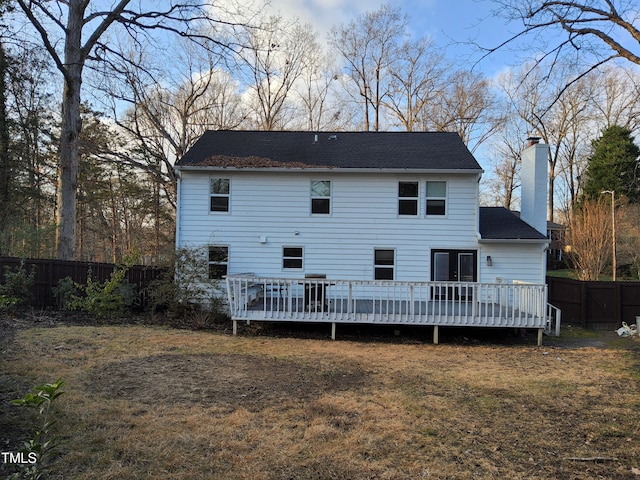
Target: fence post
<point>617,303</point>
<point>583,304</point>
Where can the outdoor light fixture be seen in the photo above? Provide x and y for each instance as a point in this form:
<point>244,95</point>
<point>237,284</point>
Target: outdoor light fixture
<point>489,261</point>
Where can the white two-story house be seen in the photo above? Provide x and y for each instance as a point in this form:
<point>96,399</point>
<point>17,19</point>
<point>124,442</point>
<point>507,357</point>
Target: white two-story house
<point>363,227</point>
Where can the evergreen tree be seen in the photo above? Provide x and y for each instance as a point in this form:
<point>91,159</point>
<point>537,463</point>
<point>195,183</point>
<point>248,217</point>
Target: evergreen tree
<point>614,165</point>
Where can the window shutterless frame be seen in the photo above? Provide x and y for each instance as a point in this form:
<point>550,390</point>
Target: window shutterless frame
<point>218,261</point>
<point>320,197</point>
<point>292,258</point>
<point>219,194</point>
<point>408,194</point>
<point>384,260</point>
<point>436,197</point>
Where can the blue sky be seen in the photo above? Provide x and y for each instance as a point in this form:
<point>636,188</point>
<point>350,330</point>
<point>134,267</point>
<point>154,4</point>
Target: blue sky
<point>450,23</point>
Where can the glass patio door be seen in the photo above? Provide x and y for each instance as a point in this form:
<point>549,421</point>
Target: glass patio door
<point>454,266</point>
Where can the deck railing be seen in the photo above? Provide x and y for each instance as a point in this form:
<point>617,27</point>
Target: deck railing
<point>518,305</point>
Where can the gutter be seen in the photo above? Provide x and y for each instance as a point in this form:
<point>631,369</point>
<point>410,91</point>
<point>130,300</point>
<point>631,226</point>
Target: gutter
<point>421,171</point>
<point>514,240</point>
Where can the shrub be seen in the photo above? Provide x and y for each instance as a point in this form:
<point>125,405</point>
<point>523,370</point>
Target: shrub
<point>185,293</point>
<point>112,297</point>
<point>16,289</point>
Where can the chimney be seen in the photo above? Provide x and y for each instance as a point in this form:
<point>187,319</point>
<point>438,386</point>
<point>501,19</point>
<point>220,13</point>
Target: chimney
<point>535,184</point>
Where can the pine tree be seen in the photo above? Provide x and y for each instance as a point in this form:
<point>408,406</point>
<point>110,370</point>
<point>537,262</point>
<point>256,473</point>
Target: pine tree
<point>614,165</point>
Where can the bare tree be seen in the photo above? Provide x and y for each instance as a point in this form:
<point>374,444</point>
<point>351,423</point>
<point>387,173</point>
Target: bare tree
<point>465,105</point>
<point>592,32</point>
<point>562,126</point>
<point>369,47</point>
<point>589,238</point>
<point>82,24</point>
<point>505,162</point>
<point>275,58</point>
<point>168,110</point>
<point>417,80</point>
<point>629,239</point>
<point>316,92</point>
<point>616,97</point>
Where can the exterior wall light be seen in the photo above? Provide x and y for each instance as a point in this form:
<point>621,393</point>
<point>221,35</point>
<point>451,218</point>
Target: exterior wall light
<point>489,261</point>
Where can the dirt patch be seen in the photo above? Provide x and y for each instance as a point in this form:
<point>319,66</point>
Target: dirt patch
<point>223,380</point>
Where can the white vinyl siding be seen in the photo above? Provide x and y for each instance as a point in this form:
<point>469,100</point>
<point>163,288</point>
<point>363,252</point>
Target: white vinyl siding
<point>270,210</point>
<point>526,263</point>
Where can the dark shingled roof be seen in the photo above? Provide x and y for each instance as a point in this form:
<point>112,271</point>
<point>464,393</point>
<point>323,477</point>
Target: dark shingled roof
<point>498,223</point>
<point>376,150</point>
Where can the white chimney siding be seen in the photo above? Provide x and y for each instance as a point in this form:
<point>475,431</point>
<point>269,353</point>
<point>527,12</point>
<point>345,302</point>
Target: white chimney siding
<point>535,186</point>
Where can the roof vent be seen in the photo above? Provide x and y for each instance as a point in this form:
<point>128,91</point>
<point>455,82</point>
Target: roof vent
<point>315,139</point>
<point>333,137</point>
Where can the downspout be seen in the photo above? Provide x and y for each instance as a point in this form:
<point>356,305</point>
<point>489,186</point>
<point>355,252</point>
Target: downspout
<point>479,177</point>
<point>178,202</point>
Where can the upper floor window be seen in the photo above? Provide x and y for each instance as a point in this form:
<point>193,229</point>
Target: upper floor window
<point>219,193</point>
<point>408,198</point>
<point>384,263</point>
<point>436,197</point>
<point>218,261</point>
<point>321,197</point>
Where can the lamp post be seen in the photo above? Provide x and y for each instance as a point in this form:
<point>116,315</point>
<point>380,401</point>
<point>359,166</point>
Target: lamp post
<point>613,230</point>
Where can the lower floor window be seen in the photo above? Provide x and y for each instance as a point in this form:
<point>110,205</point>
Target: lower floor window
<point>292,257</point>
<point>218,261</point>
<point>384,264</point>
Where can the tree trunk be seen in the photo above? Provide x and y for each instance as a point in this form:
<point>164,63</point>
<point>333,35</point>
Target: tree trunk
<point>69,134</point>
<point>5,159</point>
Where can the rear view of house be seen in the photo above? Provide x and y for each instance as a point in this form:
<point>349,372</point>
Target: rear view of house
<point>362,227</point>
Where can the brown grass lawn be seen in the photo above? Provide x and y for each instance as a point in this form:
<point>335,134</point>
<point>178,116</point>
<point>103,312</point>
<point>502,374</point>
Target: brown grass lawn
<point>147,402</point>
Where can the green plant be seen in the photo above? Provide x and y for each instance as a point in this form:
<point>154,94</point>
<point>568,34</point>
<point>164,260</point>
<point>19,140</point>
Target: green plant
<point>40,447</point>
<point>16,289</point>
<point>112,297</point>
<point>66,293</point>
<point>186,292</point>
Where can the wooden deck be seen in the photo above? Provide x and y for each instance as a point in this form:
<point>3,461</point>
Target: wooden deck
<point>393,303</point>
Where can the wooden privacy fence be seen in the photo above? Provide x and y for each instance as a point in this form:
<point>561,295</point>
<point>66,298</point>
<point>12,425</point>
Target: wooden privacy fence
<point>49,272</point>
<point>595,305</point>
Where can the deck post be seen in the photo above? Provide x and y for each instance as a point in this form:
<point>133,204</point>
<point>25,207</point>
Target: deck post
<point>235,327</point>
<point>540,330</point>
<point>333,330</point>
<point>435,335</point>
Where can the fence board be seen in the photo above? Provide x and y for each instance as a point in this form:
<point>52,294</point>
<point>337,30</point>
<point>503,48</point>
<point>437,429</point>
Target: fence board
<point>48,273</point>
<point>595,305</point>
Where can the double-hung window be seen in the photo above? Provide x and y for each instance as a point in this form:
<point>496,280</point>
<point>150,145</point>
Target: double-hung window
<point>219,189</point>
<point>384,263</point>
<point>292,258</point>
<point>436,197</point>
<point>321,197</point>
<point>218,261</point>
<point>408,198</point>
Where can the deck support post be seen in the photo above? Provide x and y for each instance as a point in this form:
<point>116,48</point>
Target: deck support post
<point>235,327</point>
<point>540,330</point>
<point>435,335</point>
<point>333,330</point>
